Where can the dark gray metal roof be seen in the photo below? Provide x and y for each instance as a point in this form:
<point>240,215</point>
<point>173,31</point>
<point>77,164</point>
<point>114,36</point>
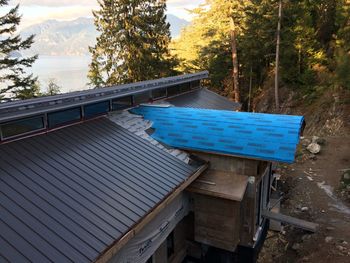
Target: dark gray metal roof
<point>30,107</point>
<point>68,195</point>
<point>203,99</point>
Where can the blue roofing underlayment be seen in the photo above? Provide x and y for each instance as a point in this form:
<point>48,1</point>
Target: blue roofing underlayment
<point>250,135</point>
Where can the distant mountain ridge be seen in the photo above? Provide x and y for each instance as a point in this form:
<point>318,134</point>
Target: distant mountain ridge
<point>72,38</point>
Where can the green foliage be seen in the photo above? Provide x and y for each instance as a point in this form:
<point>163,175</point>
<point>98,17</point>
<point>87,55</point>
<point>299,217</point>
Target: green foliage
<point>342,45</point>
<point>342,70</point>
<point>315,43</point>
<point>28,92</point>
<point>133,45</point>
<point>52,88</point>
<point>35,90</point>
<point>13,77</point>
<point>205,44</point>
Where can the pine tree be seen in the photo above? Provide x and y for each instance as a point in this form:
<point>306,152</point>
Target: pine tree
<point>133,44</point>
<point>13,77</point>
<point>212,42</point>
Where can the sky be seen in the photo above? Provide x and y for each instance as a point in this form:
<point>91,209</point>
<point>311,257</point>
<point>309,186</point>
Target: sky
<point>36,11</point>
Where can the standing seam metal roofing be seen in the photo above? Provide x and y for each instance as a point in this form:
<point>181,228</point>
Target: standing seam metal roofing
<point>252,135</point>
<point>68,195</point>
<point>203,99</point>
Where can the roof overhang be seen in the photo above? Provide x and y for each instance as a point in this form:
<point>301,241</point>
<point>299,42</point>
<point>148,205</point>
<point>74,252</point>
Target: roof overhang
<point>118,244</point>
<point>26,108</point>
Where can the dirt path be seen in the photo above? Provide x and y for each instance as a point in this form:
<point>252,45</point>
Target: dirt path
<point>310,188</point>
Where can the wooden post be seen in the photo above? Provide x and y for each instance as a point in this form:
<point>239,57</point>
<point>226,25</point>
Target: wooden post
<point>278,55</point>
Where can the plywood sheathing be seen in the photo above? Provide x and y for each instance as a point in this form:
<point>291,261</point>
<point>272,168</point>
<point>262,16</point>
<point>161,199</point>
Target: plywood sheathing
<point>217,221</point>
<point>226,185</point>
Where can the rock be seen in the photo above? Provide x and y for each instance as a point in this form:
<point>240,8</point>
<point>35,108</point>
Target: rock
<point>304,209</point>
<point>328,239</point>
<point>344,243</point>
<point>296,246</point>
<point>330,228</point>
<point>314,148</point>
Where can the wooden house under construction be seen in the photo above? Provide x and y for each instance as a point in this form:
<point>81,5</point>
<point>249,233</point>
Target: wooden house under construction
<point>156,171</point>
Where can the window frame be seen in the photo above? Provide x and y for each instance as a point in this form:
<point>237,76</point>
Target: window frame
<point>84,114</point>
<point>131,100</point>
<point>178,92</point>
<point>81,112</point>
<point>185,87</point>
<point>22,134</point>
<point>140,94</point>
<point>160,97</point>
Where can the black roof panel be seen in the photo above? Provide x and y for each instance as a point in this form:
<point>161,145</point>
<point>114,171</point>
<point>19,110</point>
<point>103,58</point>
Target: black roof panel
<point>203,99</point>
<point>69,194</point>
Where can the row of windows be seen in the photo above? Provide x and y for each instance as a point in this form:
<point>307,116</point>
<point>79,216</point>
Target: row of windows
<point>64,117</point>
<point>68,116</point>
<point>22,126</point>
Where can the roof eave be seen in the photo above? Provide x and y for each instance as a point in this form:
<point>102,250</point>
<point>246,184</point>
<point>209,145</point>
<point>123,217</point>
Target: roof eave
<point>107,254</point>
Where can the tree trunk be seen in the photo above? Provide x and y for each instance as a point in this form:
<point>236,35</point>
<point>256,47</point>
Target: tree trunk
<point>277,102</point>
<point>235,76</point>
<point>250,87</point>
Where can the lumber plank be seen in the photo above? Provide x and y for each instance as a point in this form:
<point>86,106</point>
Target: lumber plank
<point>303,224</point>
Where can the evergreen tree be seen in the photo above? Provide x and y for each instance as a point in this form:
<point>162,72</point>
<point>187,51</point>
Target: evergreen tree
<point>28,93</point>
<point>52,88</point>
<point>133,45</point>
<point>212,42</point>
<point>13,78</point>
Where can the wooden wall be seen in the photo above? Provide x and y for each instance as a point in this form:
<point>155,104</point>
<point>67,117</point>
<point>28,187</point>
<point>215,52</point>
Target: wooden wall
<point>249,207</point>
<point>216,221</point>
<point>231,164</point>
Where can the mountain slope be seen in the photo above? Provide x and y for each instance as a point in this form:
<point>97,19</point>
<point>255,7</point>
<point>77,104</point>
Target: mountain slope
<point>176,24</point>
<point>61,38</point>
<point>72,38</point>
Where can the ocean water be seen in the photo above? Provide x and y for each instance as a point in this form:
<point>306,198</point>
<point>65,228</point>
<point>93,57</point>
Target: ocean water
<point>69,72</point>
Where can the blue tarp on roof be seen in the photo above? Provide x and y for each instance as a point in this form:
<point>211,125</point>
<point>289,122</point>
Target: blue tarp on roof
<point>250,135</point>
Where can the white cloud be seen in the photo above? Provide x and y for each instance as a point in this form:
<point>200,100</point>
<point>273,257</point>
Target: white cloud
<point>60,3</point>
<point>184,3</point>
<point>34,15</point>
<point>54,3</point>
<point>36,11</point>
